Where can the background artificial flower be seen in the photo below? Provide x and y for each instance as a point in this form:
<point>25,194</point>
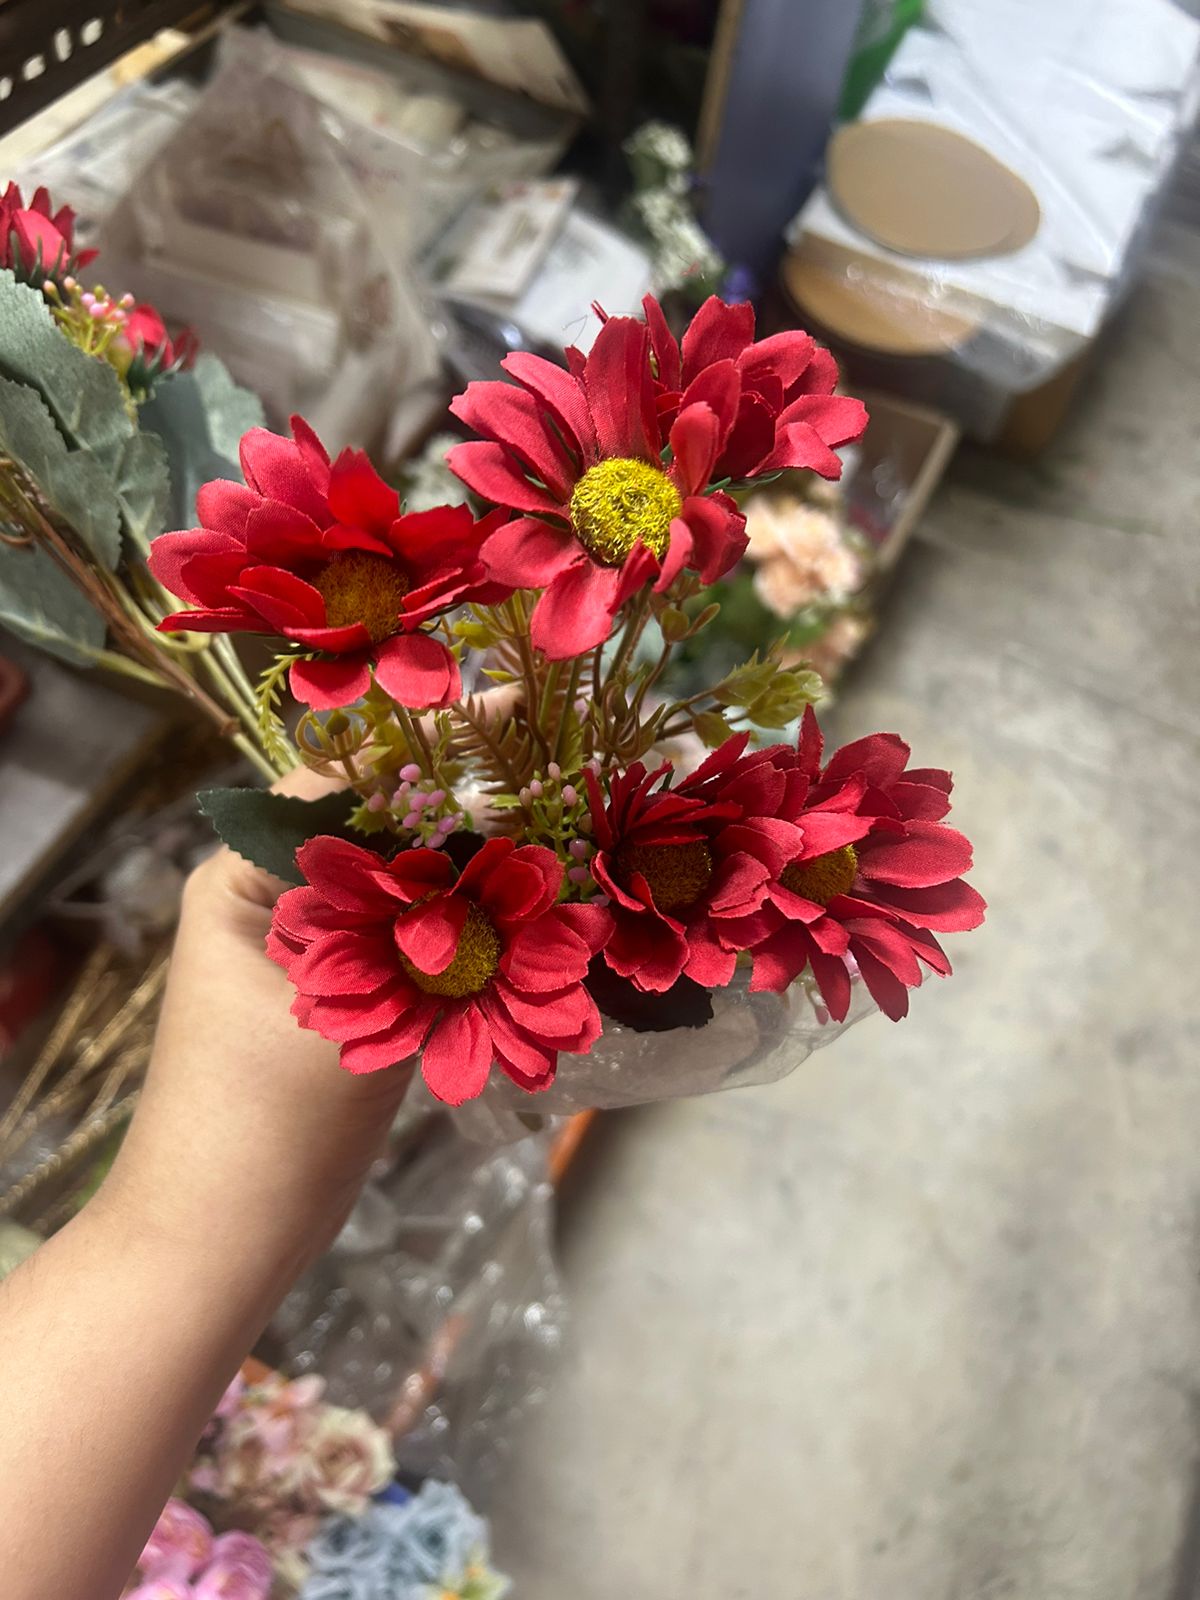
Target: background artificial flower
<point>346,1459</point>
<point>600,513</point>
<point>319,555</point>
<point>182,1542</point>
<point>394,957</point>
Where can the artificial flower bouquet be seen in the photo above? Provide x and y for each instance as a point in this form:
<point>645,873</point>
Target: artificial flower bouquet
<point>289,1496</point>
<point>534,884</point>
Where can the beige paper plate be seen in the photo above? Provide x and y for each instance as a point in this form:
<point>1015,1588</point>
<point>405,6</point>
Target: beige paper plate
<point>922,190</point>
<point>859,302</point>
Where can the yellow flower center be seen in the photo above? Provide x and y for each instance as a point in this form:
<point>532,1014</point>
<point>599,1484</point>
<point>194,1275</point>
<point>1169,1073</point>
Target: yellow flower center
<point>475,960</point>
<point>824,877</point>
<point>678,874</point>
<point>359,587</point>
<point>619,502</point>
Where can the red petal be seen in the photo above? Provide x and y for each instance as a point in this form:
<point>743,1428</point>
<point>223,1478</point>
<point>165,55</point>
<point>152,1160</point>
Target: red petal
<point>328,685</point>
<point>416,871</point>
<point>418,671</point>
<point>953,907</point>
<point>576,611</point>
<point>345,963</point>
<point>178,561</point>
<point>880,757</point>
<point>799,446</point>
<point>620,392</point>
<point>886,989</point>
<point>784,356</point>
<point>718,332</point>
<point>695,439</point>
<point>280,535</point>
<point>278,469</point>
<point>528,554</point>
<point>833,980</point>
<point>283,599</point>
<point>930,854</point>
<point>495,475</point>
<point>511,416</point>
<point>708,963</point>
<point>718,387</point>
<point>458,1055</point>
<point>663,343</point>
<point>358,496</point>
<point>718,534</point>
<point>428,933</point>
<point>392,1045</point>
<point>558,1016</point>
<point>781,959</point>
<point>526,1060</point>
<point>543,955</point>
<point>647,949</point>
<point>339,641</point>
<point>834,418</point>
<point>348,876</point>
<point>750,441</point>
<point>560,393</point>
<point>225,506</point>
<point>354,1016</point>
<point>225,620</point>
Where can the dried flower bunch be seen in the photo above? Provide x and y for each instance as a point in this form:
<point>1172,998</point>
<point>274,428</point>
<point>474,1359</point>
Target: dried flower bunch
<point>488,875</point>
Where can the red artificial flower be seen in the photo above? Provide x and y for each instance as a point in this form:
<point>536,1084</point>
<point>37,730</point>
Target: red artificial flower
<point>878,898</point>
<point>36,243</point>
<point>684,866</point>
<point>394,957</point>
<point>774,397</point>
<point>600,513</point>
<point>321,556</point>
<point>147,335</point>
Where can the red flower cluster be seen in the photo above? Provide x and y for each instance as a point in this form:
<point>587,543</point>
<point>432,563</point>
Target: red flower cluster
<point>799,865</point>
<point>36,243</point>
<point>391,958</point>
<point>579,457</point>
<point>320,555</point>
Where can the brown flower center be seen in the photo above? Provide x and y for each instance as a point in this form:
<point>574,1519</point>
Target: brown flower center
<point>359,587</point>
<point>476,958</point>
<point>678,874</point>
<point>619,502</point>
<point>824,877</point>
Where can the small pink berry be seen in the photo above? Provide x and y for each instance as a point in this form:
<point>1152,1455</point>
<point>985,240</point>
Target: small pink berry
<point>570,794</point>
<point>128,301</point>
<point>436,798</point>
<point>449,823</point>
<point>579,875</point>
<point>68,283</point>
<point>97,312</point>
<point>554,770</point>
<point>526,796</point>
<point>585,823</point>
<point>412,820</point>
<point>594,765</point>
<point>580,849</point>
<point>376,802</point>
<point>581,708</point>
<point>87,298</point>
<point>411,772</point>
<point>118,315</point>
<point>535,788</point>
<point>48,286</point>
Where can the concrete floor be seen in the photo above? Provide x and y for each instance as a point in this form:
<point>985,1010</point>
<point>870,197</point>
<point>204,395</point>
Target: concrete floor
<point>923,1321</point>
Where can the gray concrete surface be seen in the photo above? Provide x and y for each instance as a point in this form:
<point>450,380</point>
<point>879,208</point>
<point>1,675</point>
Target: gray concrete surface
<point>923,1322</point>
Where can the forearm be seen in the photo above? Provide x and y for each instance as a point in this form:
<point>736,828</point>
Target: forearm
<point>118,1341</point>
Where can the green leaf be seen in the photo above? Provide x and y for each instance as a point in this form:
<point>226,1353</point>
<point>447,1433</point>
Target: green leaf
<point>40,604</point>
<point>199,416</point>
<point>83,392</point>
<point>144,488</point>
<point>267,829</point>
<point>712,728</point>
<point>73,483</point>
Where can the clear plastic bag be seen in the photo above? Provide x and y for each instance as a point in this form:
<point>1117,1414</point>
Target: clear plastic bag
<point>751,1039</point>
<point>439,1307</point>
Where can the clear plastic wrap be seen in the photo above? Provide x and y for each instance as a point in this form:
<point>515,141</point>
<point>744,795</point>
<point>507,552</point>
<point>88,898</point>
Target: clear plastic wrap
<point>439,1307</point>
<point>750,1039</point>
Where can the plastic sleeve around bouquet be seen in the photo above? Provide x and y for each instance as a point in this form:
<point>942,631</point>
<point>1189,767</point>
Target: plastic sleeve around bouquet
<point>750,1039</point>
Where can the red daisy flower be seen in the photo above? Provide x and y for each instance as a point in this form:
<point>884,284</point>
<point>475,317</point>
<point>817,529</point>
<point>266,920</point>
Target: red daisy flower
<point>878,898</point>
<point>600,513</point>
<point>684,866</point>
<point>320,555</point>
<point>36,243</point>
<point>774,398</point>
<point>394,957</point>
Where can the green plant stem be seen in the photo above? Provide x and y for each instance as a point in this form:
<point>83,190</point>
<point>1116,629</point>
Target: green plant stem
<point>567,705</point>
<point>480,727</point>
<point>417,741</point>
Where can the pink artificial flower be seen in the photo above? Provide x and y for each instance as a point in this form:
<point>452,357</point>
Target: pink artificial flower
<point>181,1543</point>
<point>164,1588</point>
<point>240,1569</point>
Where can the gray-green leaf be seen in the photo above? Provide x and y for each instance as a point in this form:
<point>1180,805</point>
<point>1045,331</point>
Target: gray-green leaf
<point>41,605</point>
<point>73,483</point>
